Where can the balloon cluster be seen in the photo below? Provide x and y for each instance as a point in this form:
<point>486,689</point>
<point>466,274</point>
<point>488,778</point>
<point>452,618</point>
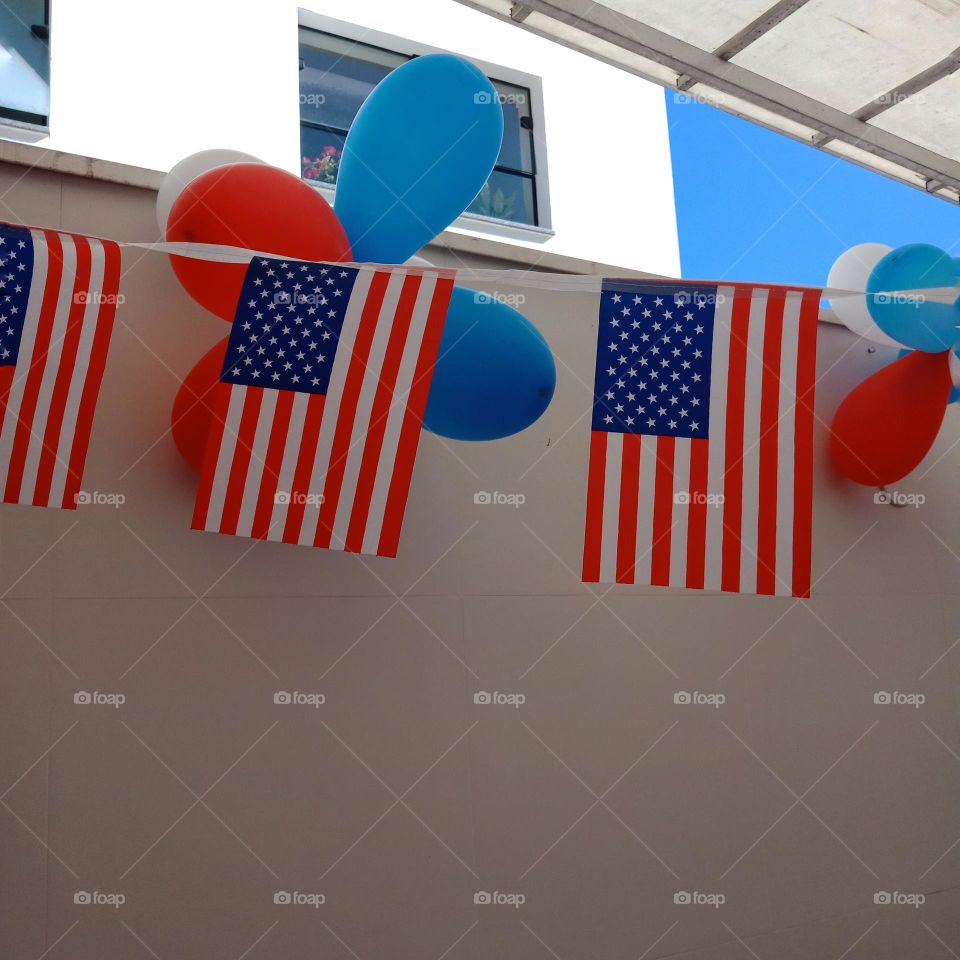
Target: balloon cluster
<point>886,425</point>
<point>420,149</point>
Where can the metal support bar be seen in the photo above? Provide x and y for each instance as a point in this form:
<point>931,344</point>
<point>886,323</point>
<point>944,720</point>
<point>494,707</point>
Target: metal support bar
<point>755,30</point>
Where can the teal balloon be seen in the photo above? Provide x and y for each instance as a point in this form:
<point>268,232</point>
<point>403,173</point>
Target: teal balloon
<point>420,149</point>
<point>921,324</point>
<point>495,374</point>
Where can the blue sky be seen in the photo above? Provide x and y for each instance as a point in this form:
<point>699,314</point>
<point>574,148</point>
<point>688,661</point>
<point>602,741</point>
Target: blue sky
<point>755,205</point>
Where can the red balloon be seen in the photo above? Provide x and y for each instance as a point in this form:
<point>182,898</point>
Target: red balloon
<point>886,426</point>
<point>253,206</point>
<point>193,405</point>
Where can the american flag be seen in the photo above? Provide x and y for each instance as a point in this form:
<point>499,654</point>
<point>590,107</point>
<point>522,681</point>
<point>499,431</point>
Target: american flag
<point>58,297</point>
<point>320,402</point>
<point>700,472</point>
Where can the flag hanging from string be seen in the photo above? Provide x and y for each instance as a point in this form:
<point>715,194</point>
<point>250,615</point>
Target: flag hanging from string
<point>320,402</point>
<point>701,464</point>
<point>58,297</point>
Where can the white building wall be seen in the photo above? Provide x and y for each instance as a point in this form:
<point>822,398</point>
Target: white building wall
<point>147,84</point>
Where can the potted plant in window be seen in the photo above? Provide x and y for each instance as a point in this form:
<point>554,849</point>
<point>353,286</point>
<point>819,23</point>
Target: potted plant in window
<point>322,169</point>
<point>494,203</point>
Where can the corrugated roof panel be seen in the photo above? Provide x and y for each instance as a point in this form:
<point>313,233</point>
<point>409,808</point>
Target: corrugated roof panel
<point>875,81</point>
<point>928,117</point>
<point>849,52</point>
<point>704,23</point>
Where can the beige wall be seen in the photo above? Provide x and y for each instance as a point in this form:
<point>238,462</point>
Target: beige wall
<point>399,798</point>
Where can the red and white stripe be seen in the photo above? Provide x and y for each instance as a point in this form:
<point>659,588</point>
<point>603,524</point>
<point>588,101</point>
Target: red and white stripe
<point>333,470</point>
<point>730,512</point>
<point>48,399</point>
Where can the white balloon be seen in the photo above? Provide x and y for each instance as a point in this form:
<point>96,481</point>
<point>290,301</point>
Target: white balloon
<point>851,271</point>
<point>418,262</point>
<point>189,168</point>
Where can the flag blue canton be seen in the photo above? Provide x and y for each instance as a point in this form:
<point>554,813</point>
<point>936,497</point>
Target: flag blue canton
<point>654,349</point>
<point>16,271</point>
<point>287,326</point>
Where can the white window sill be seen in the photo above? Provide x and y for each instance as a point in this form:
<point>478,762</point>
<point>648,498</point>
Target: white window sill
<point>510,229</point>
<point>21,132</point>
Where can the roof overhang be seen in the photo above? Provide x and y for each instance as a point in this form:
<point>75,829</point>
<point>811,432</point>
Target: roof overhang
<point>873,83</point>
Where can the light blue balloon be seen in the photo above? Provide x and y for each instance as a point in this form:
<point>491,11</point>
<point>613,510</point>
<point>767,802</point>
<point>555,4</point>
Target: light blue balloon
<point>418,153</point>
<point>921,324</point>
<point>495,374</point>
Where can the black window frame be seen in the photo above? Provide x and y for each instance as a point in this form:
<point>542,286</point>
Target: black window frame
<point>21,117</point>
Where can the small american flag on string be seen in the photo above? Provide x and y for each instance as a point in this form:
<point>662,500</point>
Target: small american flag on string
<point>320,403</point>
<point>701,452</point>
<point>58,297</point>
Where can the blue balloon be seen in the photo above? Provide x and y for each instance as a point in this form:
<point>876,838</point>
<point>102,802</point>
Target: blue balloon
<point>494,375</point>
<point>418,153</point>
<point>918,323</point>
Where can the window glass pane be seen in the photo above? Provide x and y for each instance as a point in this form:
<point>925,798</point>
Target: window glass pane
<point>24,61</point>
<point>320,155</point>
<point>517,149</point>
<point>336,75</point>
<point>506,196</point>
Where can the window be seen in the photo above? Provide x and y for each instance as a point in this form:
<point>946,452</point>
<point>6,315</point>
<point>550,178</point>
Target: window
<point>24,64</point>
<point>336,76</point>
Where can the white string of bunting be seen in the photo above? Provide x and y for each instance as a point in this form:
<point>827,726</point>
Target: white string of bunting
<point>531,279</point>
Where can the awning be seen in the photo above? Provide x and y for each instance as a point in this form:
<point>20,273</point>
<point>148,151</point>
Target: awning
<point>873,81</point>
